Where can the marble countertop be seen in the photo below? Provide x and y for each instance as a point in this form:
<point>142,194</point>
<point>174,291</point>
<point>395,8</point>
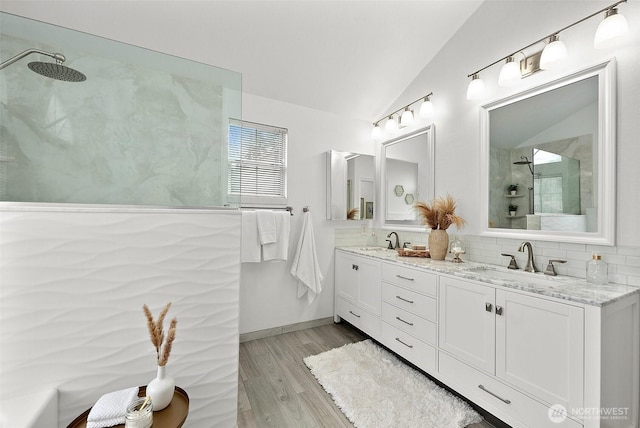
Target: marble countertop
<point>561,287</point>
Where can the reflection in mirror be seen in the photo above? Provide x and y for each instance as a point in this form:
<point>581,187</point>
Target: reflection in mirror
<point>407,174</point>
<point>350,186</point>
<point>555,145</point>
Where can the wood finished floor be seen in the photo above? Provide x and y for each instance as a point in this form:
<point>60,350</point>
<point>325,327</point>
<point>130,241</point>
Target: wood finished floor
<point>276,389</point>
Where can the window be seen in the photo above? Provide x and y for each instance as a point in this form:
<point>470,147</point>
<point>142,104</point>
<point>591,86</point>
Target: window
<point>257,164</point>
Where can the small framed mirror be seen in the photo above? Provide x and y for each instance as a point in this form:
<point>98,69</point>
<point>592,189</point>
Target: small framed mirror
<point>350,186</point>
<point>407,174</point>
<point>548,160</point>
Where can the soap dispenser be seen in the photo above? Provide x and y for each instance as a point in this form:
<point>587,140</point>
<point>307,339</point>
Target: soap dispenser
<point>597,270</point>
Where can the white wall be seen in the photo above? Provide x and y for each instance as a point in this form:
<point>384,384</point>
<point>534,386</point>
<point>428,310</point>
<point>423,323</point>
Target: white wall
<point>267,290</point>
<point>494,31</point>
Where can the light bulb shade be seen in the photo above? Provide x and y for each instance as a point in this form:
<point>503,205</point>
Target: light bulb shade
<point>426,109</point>
<point>553,53</point>
<point>611,29</point>
<point>376,132</point>
<point>475,90</point>
<point>391,125</point>
<point>407,117</point>
<point>510,73</point>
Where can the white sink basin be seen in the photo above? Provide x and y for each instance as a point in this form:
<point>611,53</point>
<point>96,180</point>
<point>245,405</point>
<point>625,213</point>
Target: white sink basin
<point>517,276</point>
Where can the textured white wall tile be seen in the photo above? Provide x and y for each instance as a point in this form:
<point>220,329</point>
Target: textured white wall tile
<point>71,294</point>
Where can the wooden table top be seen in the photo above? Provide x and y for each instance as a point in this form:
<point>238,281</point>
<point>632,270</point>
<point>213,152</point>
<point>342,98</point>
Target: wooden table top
<point>172,416</point>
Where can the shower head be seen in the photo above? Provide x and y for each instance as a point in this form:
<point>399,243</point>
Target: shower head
<point>54,71</point>
<point>524,161</point>
<point>57,71</point>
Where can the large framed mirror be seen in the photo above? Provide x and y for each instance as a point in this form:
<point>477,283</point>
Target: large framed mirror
<point>407,174</point>
<point>350,186</point>
<point>548,160</point>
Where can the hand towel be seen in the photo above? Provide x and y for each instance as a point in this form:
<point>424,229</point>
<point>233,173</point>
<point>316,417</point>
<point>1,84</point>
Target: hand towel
<point>279,250</point>
<point>110,409</point>
<point>250,244</point>
<point>267,226</point>
<point>305,267</point>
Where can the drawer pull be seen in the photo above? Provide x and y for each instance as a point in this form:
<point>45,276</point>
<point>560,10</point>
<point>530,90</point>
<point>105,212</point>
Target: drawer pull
<point>491,393</point>
<point>405,344</point>
<point>405,277</point>
<point>354,314</point>
<point>406,322</point>
<point>404,300</point>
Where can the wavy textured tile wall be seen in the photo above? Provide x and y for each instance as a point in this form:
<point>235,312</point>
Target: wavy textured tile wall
<point>72,286</point>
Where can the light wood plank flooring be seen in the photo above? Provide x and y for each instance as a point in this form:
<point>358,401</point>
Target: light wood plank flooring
<point>276,389</point>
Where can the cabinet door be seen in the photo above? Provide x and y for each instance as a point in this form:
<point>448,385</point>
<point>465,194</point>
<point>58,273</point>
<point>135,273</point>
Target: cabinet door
<point>346,277</point>
<point>467,322</point>
<point>369,285</point>
<point>539,347</point>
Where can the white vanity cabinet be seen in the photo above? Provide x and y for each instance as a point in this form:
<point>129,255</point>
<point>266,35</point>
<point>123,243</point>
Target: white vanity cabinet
<point>520,355</point>
<point>533,344</point>
<point>358,291</point>
<point>409,314</point>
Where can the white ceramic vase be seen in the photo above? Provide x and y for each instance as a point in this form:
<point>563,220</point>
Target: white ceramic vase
<point>161,389</point>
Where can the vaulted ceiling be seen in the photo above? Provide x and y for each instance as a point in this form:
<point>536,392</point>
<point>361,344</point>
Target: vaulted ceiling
<point>349,57</point>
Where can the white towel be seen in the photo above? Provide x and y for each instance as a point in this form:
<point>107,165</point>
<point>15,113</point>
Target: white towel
<point>250,247</point>
<point>267,227</point>
<point>279,250</point>
<point>305,267</point>
<point>110,409</point>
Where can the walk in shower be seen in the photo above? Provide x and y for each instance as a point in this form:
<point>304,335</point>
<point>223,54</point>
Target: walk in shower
<point>144,128</point>
<point>113,170</point>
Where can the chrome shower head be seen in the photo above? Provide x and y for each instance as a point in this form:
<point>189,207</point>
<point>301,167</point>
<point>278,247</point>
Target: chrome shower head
<point>57,71</point>
<point>54,71</point>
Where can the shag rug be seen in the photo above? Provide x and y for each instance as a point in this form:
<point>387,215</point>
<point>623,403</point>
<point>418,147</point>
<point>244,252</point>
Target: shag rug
<point>373,388</point>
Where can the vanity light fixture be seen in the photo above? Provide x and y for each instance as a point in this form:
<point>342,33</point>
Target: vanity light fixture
<point>552,53</point>
<point>475,90</point>
<point>610,30</point>
<point>426,108</point>
<point>376,132</point>
<point>391,124</point>
<point>407,117</point>
<point>509,73</point>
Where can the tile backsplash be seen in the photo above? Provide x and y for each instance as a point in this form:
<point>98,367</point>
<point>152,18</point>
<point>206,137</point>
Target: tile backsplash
<point>623,261</point>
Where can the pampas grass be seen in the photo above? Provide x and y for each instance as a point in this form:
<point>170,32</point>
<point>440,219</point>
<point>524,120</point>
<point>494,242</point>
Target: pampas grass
<point>440,214</point>
<point>156,333</point>
<point>352,213</point>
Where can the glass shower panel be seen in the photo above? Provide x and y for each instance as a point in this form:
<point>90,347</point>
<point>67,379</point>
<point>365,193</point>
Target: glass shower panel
<point>145,128</point>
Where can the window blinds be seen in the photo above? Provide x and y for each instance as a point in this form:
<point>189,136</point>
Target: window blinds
<point>257,162</point>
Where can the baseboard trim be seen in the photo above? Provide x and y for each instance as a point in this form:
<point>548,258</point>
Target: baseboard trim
<point>261,334</point>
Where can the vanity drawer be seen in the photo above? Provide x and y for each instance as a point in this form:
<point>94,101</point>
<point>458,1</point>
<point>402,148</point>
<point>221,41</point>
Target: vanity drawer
<point>492,396</point>
<point>416,326</point>
<point>415,279</point>
<point>411,301</point>
<point>359,318</point>
<point>410,348</point>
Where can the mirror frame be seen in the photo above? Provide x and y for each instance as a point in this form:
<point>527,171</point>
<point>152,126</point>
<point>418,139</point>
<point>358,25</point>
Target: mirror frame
<point>426,195</point>
<point>606,183</point>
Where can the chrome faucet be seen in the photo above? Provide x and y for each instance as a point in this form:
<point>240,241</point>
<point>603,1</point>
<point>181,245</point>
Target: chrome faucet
<point>397,244</point>
<point>531,265</point>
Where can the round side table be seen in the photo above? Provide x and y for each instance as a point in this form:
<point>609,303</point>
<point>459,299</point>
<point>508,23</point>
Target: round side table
<point>172,416</point>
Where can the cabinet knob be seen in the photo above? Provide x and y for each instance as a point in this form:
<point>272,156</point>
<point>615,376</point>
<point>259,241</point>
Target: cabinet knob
<point>488,307</point>
<point>498,310</point>
<point>354,267</point>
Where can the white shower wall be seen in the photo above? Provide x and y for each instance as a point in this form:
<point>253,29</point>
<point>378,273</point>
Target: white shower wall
<point>72,285</point>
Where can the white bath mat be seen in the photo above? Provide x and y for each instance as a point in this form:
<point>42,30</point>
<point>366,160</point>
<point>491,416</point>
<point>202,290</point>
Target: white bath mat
<point>374,389</point>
